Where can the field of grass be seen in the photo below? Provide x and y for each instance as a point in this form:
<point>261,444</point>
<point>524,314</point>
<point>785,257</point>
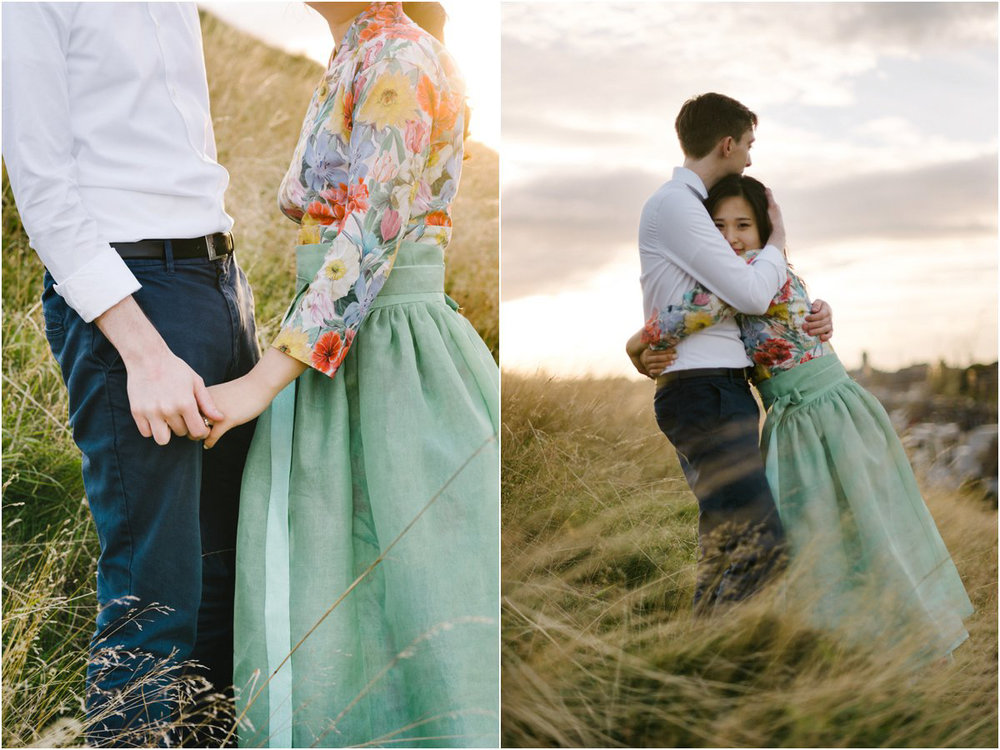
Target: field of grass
<point>599,646</point>
<point>50,549</point>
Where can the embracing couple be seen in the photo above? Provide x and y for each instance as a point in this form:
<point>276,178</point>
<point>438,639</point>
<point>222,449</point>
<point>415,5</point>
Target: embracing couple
<point>829,487</point>
<point>356,527</point>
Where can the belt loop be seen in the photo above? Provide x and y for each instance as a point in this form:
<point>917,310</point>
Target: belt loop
<point>168,254</point>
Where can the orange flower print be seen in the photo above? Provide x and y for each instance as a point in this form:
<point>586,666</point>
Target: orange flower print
<point>438,219</point>
<point>329,352</point>
<point>357,196</point>
<point>342,116</point>
<point>651,333</point>
<point>446,115</point>
<point>427,95</point>
<point>320,212</point>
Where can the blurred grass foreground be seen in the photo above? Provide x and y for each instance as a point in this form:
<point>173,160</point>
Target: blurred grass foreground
<point>258,97</point>
<point>599,646</point>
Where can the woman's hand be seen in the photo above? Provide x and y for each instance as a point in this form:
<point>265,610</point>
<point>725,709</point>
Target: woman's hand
<point>819,322</point>
<point>239,401</point>
<point>245,398</point>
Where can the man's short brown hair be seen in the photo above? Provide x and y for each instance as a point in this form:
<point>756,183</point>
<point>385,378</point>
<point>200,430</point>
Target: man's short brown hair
<point>706,119</point>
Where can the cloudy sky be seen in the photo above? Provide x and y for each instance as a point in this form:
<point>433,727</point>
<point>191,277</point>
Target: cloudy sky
<point>878,135</point>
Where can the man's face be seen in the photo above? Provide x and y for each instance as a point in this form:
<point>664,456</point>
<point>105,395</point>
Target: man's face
<point>741,152</point>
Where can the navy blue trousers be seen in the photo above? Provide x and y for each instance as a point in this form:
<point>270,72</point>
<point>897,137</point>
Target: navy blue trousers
<point>712,422</point>
<point>165,515</point>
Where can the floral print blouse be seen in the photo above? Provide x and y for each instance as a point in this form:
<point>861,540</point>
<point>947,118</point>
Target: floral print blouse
<point>377,162</point>
<point>774,341</point>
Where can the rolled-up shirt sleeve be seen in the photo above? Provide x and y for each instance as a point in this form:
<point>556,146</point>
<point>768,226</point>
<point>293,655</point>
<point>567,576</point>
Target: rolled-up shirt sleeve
<point>692,241</point>
<point>39,156</point>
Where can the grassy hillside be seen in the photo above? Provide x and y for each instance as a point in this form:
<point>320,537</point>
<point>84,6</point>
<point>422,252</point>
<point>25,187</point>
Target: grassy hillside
<point>600,649</point>
<point>49,545</point>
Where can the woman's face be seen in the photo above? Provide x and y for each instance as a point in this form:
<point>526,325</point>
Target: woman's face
<point>734,218</point>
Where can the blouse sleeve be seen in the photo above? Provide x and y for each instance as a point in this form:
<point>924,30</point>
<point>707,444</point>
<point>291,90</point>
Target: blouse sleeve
<point>388,112</point>
<point>700,309</point>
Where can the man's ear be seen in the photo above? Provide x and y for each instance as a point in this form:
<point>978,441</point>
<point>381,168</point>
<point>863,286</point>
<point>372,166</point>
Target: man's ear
<point>726,146</point>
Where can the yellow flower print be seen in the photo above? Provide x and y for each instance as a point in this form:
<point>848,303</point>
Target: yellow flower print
<point>696,321</point>
<point>339,121</point>
<point>309,231</point>
<point>390,102</point>
<point>293,343</point>
<point>779,311</point>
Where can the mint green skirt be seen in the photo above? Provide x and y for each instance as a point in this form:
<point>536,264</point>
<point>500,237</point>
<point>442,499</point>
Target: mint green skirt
<point>867,557</point>
<point>394,457</point>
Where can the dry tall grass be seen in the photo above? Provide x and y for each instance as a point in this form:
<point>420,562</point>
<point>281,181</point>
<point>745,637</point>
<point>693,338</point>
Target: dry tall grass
<point>600,649</point>
<point>49,546</point>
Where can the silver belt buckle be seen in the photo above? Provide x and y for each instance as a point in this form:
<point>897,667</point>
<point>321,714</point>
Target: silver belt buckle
<point>213,254</point>
<point>210,244</point>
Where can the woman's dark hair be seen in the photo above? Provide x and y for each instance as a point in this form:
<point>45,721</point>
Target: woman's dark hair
<point>742,186</point>
<point>705,120</point>
<point>428,16</point>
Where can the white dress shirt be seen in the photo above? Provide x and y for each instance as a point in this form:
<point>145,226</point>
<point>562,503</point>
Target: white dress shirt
<point>679,245</point>
<point>107,137</point>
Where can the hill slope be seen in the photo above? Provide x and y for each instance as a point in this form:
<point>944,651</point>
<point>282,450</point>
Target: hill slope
<point>599,645</point>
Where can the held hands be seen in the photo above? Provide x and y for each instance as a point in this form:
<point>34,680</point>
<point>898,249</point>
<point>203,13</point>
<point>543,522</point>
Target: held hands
<point>819,322</point>
<point>240,401</point>
<point>166,396</point>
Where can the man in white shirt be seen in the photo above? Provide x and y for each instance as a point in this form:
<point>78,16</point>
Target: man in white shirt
<point>108,143</point>
<point>703,401</point>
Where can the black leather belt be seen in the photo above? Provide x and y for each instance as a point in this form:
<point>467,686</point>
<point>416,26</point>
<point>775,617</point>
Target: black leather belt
<point>733,373</point>
<point>210,246</point>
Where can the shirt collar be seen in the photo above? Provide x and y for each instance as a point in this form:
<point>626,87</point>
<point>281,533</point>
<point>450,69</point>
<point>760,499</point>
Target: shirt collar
<point>374,16</point>
<point>692,180</point>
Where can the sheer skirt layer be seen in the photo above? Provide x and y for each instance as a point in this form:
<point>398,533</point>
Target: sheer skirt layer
<point>869,559</point>
<point>404,434</point>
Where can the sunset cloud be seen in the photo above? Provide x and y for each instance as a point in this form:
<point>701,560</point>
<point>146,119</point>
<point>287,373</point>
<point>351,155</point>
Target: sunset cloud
<point>877,120</point>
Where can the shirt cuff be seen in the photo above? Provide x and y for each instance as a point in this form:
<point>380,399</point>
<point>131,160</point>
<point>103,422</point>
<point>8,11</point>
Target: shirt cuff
<point>101,283</point>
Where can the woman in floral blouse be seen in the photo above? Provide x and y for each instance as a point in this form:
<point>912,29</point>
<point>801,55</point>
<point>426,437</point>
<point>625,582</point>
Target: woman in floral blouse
<point>368,539</point>
<point>870,559</point>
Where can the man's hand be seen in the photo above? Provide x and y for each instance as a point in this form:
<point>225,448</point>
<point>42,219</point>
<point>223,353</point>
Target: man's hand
<point>165,395</point>
<point>819,322</point>
<point>657,360</point>
<point>777,237</point>
<point>648,362</point>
